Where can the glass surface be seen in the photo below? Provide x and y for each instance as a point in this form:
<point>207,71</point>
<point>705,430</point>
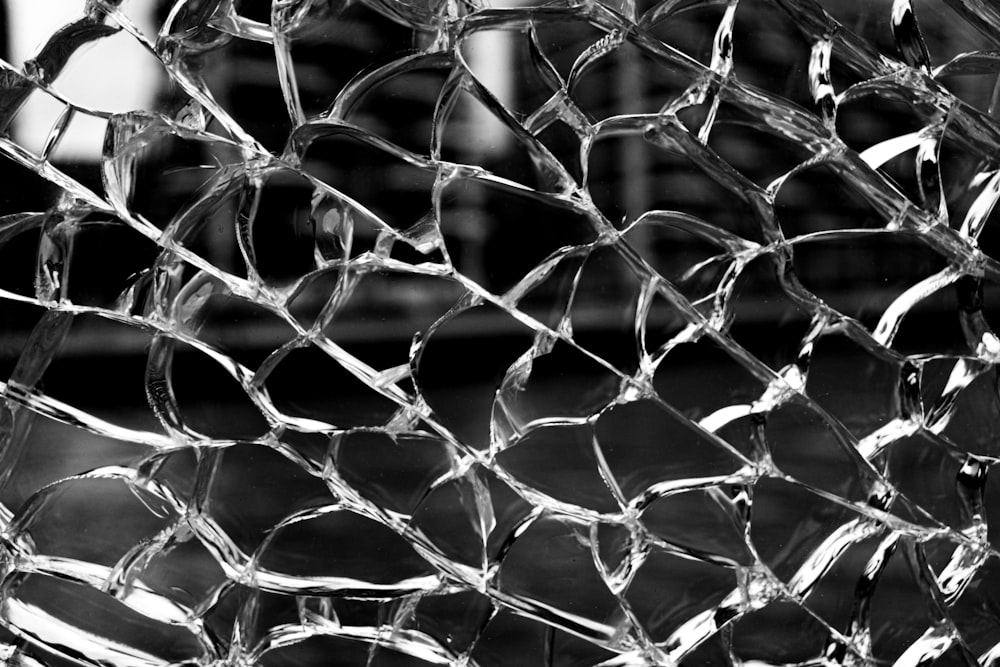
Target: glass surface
<point>570,332</point>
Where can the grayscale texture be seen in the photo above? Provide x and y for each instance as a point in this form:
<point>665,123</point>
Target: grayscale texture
<point>597,332</point>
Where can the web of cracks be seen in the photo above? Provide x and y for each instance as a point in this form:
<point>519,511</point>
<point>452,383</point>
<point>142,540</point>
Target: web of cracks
<point>589,506</point>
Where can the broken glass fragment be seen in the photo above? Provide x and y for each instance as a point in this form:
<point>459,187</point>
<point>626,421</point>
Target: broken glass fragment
<point>575,332</point>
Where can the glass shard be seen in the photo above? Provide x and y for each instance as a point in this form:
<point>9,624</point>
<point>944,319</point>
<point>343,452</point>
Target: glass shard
<point>496,332</point>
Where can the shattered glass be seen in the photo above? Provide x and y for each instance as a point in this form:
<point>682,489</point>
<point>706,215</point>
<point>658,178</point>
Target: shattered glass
<point>562,332</point>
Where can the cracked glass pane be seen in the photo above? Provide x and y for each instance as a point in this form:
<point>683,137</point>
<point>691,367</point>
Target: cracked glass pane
<point>472,333</point>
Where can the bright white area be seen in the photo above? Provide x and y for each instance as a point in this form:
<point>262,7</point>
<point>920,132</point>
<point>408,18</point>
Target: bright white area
<point>114,74</point>
<point>490,56</point>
